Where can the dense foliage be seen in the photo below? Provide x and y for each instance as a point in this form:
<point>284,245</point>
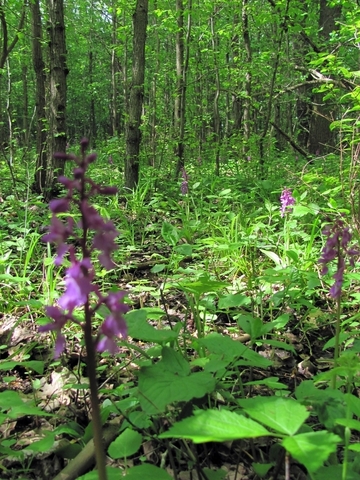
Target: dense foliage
<point>216,337</point>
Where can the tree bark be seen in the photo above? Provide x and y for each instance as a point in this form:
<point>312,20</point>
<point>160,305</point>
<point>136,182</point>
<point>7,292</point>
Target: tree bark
<point>133,132</point>
<point>216,113</point>
<point>182,63</point>
<point>248,76</point>
<point>321,139</point>
<point>56,135</point>
<point>40,78</point>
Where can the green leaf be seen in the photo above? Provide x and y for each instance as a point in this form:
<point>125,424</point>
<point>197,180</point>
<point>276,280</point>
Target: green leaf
<point>185,249</point>
<point>174,362</point>
<point>334,471</point>
<point>158,387</point>
<point>125,445</point>
<point>139,328</point>
<point>35,365</point>
<point>203,285</point>
<point>348,422</point>
<point>231,301</point>
<point>311,449</point>
<point>158,268</point>
<point>273,256</point>
<point>43,445</point>
<point>169,234</point>
<point>219,474</point>
<point>112,474</point>
<point>261,469</point>
<point>229,348</point>
<point>280,345</point>
<point>10,399</point>
<point>145,472</point>
<point>253,326</point>
<point>301,211</point>
<point>270,382</point>
<point>284,415</point>
<point>215,426</point>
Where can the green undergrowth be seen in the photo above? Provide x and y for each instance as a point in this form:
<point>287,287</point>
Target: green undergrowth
<point>220,284</point>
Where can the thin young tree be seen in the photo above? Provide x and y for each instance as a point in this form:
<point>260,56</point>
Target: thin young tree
<point>51,168</point>
<point>133,132</point>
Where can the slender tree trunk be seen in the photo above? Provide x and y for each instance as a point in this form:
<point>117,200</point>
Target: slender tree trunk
<point>182,63</point>
<point>92,101</point>
<point>215,45</point>
<point>56,135</point>
<point>25,114</point>
<point>133,132</point>
<point>153,97</point>
<point>248,59</point>
<point>271,93</point>
<point>114,75</point>
<point>40,77</point>
<point>321,139</point>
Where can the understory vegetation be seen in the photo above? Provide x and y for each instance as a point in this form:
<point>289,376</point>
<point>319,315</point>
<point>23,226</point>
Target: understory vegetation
<point>179,240</point>
<point>228,369</point>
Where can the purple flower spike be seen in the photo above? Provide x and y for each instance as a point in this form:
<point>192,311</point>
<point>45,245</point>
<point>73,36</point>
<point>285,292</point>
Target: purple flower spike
<point>60,320</point>
<point>81,290</point>
<point>287,200</point>
<point>185,183</point>
<point>337,247</point>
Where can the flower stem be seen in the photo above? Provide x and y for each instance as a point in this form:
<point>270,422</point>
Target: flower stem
<point>95,408</point>
<point>337,337</point>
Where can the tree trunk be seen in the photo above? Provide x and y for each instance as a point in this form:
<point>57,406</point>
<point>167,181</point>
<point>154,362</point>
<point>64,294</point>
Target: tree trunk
<point>215,47</point>
<point>50,168</point>
<point>133,132</point>
<point>247,86</point>
<point>39,68</point>
<point>321,139</point>
<point>182,63</point>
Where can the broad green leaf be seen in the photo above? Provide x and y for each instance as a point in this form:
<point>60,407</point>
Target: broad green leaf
<point>35,365</point>
<point>270,382</point>
<point>273,256</point>
<point>219,474</point>
<point>311,449</point>
<point>153,313</point>
<point>16,406</point>
<point>280,345</point>
<point>43,445</point>
<point>10,399</point>
<point>158,268</point>
<point>169,234</point>
<point>293,255</point>
<point>112,474</point>
<point>140,329</point>
<point>215,426</point>
<point>184,249</point>
<point>203,285</point>
<point>159,388</point>
<point>253,326</point>
<point>300,211</point>
<point>174,362</point>
<point>229,348</point>
<point>231,301</point>
<point>145,472</point>
<point>348,422</point>
<point>333,472</point>
<point>284,415</point>
<point>261,469</point>
<point>125,445</point>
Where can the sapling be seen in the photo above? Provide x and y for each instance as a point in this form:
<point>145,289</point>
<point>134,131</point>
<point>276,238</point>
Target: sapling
<point>81,289</point>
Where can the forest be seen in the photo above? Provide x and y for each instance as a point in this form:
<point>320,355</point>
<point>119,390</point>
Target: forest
<point>179,239</point>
